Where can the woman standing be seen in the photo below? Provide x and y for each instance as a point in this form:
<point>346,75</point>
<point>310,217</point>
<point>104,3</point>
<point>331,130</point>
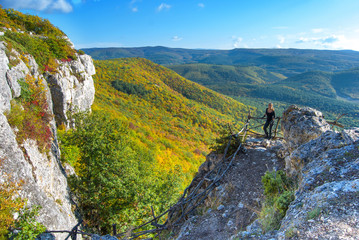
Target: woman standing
<point>270,120</point>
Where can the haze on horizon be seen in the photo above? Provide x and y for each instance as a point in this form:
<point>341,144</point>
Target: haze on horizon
<point>207,24</point>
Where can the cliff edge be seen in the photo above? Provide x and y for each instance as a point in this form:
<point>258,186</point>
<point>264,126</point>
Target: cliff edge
<point>326,164</point>
<point>67,87</point>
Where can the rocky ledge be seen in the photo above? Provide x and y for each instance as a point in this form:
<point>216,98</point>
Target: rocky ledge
<point>326,164</point>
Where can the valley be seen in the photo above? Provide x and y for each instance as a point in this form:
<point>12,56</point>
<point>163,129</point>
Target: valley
<point>322,79</point>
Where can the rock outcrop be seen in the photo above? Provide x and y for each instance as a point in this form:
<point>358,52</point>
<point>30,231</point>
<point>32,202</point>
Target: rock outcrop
<point>72,87</point>
<point>326,164</point>
<point>300,125</point>
<point>45,181</point>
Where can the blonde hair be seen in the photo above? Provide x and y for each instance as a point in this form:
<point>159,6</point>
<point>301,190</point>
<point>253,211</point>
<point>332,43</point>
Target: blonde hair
<point>272,108</point>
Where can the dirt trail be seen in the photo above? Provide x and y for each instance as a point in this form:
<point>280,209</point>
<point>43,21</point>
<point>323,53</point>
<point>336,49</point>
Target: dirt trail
<point>235,203</point>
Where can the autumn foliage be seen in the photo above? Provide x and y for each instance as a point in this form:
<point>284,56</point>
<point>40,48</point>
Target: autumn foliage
<point>30,114</point>
<point>149,131</point>
<point>10,202</point>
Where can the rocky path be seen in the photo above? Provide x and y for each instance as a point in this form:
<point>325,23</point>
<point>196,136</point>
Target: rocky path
<point>236,202</point>
<point>325,163</point>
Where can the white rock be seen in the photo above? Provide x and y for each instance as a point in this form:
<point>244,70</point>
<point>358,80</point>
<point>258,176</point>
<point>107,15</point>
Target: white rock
<point>5,91</point>
<point>72,87</point>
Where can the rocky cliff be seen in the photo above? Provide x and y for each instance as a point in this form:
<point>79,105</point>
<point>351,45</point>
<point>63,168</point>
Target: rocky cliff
<point>69,86</point>
<point>323,161</point>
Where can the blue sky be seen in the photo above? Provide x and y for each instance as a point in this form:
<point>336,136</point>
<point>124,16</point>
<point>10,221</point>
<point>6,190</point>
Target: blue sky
<point>209,24</point>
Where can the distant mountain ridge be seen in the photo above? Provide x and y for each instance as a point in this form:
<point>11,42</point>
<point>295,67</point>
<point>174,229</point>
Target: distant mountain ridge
<point>327,80</point>
<point>284,61</point>
<point>210,73</point>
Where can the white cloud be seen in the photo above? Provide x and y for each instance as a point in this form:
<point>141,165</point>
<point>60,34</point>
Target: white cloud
<point>344,42</point>
<point>134,9</point>
<point>176,38</point>
<point>331,42</point>
<point>163,6</point>
<point>237,41</point>
<point>317,30</point>
<point>324,41</point>
<point>39,5</point>
<point>201,5</point>
<point>61,5</point>
<point>281,39</point>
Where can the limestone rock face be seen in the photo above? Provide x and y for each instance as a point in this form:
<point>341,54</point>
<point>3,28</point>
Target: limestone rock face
<point>300,125</point>
<point>72,87</point>
<point>5,91</point>
<point>16,72</point>
<point>45,181</point>
<point>326,202</point>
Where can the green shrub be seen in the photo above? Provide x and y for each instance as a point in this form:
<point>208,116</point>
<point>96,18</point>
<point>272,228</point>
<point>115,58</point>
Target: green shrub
<point>29,227</point>
<point>283,201</point>
<point>222,141</point>
<point>270,217</point>
<point>80,52</point>
<point>70,154</point>
<point>279,193</point>
<point>314,213</point>
<point>275,182</point>
<point>37,36</point>
<point>44,50</point>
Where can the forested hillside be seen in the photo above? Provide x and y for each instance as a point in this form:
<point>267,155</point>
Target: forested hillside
<point>334,93</point>
<point>165,109</point>
<point>347,84</point>
<point>150,126</point>
<point>206,74</point>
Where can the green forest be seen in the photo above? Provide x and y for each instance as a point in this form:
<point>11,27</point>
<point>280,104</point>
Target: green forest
<point>326,91</point>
